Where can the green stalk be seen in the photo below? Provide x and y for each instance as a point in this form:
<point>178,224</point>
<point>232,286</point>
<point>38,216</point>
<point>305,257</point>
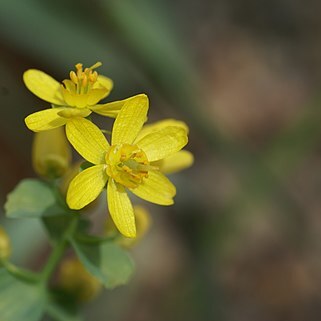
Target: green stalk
<point>20,273</point>
<point>58,251</point>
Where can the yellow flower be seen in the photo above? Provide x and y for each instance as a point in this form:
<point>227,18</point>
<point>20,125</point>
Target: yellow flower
<point>76,97</point>
<point>125,164</point>
<point>51,153</point>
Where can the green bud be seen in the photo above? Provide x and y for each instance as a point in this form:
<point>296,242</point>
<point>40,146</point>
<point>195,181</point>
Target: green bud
<point>51,154</point>
<point>75,280</point>
<point>5,246</point>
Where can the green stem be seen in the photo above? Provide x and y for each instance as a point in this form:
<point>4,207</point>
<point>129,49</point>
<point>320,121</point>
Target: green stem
<point>20,273</point>
<point>90,239</point>
<point>58,251</point>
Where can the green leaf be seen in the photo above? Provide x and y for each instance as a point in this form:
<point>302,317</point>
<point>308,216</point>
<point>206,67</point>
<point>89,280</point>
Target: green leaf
<point>56,225</point>
<point>58,313</point>
<point>106,261</point>
<point>20,300</point>
<point>32,198</point>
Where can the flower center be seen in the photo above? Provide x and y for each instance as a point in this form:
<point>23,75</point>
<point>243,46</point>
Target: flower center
<point>127,165</point>
<point>82,81</point>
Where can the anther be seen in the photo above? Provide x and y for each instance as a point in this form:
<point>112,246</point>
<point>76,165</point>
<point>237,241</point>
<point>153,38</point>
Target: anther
<point>73,77</point>
<point>84,81</point>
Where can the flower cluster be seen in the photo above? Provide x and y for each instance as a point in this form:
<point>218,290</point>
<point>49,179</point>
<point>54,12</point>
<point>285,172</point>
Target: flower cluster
<point>134,160</point>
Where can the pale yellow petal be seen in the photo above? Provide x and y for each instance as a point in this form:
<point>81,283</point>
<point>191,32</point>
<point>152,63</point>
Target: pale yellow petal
<point>83,100</point>
<point>95,95</point>
<point>43,86</point>
<point>45,119</point>
<point>87,139</point>
<point>121,209</point>
<point>75,112</point>
<point>143,220</point>
<point>104,82</point>
<point>163,143</point>
<point>86,187</point>
<point>130,120</point>
<point>108,110</point>
<point>69,85</point>
<point>74,99</point>
<point>157,189</point>
<point>150,128</point>
<point>112,109</point>
<point>175,163</point>
<point>143,223</point>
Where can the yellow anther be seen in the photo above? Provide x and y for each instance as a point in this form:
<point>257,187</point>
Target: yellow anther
<point>93,76</point>
<point>127,164</point>
<point>73,77</point>
<point>79,66</point>
<point>79,70</point>
<point>84,80</point>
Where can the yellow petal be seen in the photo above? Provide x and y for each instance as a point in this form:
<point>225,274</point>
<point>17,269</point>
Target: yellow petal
<point>143,223</point>
<point>130,120</point>
<point>43,86</point>
<point>163,143</point>
<point>74,112</point>
<point>157,189</point>
<point>95,95</point>
<point>150,128</point>
<point>83,100</point>
<point>69,85</point>
<point>111,109</point>
<point>74,99</point>
<point>45,119</point>
<point>176,162</point>
<point>121,209</point>
<point>87,139</point>
<point>104,82</point>
<point>86,187</point>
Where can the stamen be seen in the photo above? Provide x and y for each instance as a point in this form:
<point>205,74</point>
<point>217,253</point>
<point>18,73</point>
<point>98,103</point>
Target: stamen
<point>84,81</point>
<point>96,65</point>
<point>79,67</point>
<point>73,77</point>
<point>128,165</point>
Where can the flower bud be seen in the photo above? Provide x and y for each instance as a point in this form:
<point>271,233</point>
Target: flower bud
<point>51,154</point>
<point>74,279</point>
<point>5,246</point>
<point>143,222</point>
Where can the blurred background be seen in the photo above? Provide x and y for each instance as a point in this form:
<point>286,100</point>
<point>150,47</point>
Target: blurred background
<point>243,240</point>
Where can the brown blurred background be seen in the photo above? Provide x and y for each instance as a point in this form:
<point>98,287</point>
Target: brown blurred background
<point>242,241</point>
